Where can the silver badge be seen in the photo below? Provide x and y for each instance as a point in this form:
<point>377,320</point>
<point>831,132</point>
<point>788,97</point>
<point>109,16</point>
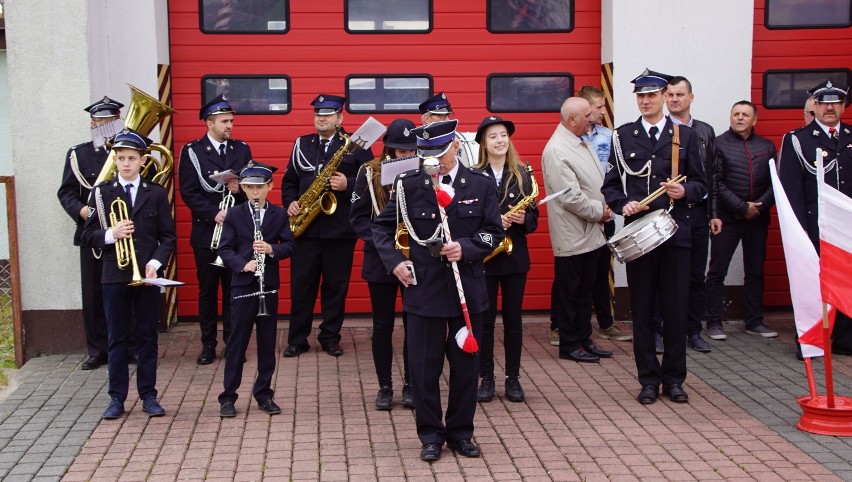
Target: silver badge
<point>208,148</point>
<point>355,197</point>
<point>406,132</point>
<point>492,118</point>
<point>425,135</point>
<point>321,99</point>
<point>443,96</point>
<point>91,212</point>
<point>511,194</point>
<point>462,180</point>
<point>816,133</point>
<point>636,132</point>
<point>828,84</point>
<point>646,72</point>
<point>632,154</point>
<point>486,238</point>
<point>609,167</point>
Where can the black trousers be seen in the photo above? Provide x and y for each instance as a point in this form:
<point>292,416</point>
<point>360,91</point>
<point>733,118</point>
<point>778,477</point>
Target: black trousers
<point>121,303</point>
<point>429,340</point>
<point>664,274</point>
<point>605,284</point>
<point>722,247</point>
<point>383,302</point>
<point>572,299</point>
<point>94,319</point>
<point>511,287</point>
<point>841,335</point>
<point>315,259</point>
<point>244,318</point>
<point>209,279</point>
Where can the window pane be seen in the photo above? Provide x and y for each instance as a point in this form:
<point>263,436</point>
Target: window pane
<point>530,15</point>
<point>244,16</point>
<point>387,93</point>
<point>370,16</point>
<point>808,13</point>
<point>788,89</point>
<point>250,94</point>
<point>528,93</point>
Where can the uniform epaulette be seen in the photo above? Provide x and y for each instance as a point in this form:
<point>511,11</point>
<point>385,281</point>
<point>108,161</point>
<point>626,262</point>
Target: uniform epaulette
<point>237,140</point>
<point>103,183</point>
<point>477,170</point>
<point>192,143</point>
<point>624,125</point>
<point>74,148</point>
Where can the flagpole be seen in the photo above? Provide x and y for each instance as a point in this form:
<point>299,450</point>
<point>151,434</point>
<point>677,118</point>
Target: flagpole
<point>829,378</point>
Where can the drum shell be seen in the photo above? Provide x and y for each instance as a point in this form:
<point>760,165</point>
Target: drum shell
<point>642,236</point>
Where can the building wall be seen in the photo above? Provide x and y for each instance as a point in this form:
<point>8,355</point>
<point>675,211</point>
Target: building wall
<point>5,151</point>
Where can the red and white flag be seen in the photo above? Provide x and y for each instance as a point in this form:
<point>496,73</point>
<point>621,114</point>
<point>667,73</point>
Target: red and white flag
<point>802,271</point>
<point>835,244</point>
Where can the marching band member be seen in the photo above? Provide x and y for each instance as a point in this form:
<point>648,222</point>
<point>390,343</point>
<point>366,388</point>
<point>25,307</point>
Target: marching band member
<point>151,230</point>
<point>499,160</point>
<point>239,249</point>
<point>215,152</point>
<point>368,199</point>
<point>639,163</point>
<point>432,296</point>
<point>84,163</point>
<point>326,249</point>
<point>435,109</point>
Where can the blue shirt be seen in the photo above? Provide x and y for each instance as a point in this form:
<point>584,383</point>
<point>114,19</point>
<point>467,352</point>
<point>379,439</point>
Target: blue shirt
<point>601,140</point>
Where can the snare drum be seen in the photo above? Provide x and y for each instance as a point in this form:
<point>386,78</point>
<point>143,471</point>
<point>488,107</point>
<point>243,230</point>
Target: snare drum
<point>640,237</point>
<point>468,152</point>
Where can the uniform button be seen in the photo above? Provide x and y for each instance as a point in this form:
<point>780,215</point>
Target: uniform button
<point>653,177</point>
<point>653,157</point>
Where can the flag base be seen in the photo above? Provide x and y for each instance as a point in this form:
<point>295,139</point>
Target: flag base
<point>818,418</point>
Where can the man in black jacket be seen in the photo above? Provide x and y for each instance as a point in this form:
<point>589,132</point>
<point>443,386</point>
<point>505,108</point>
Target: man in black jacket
<point>743,195</point>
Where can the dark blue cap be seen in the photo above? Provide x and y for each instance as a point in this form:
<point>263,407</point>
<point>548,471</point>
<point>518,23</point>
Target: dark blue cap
<point>400,135</point>
<point>650,81</point>
<point>131,139</point>
<point>256,173</point>
<point>491,120</point>
<point>435,139</point>
<point>105,107</point>
<point>216,106</point>
<point>326,104</point>
<point>828,93</point>
<point>437,104</point>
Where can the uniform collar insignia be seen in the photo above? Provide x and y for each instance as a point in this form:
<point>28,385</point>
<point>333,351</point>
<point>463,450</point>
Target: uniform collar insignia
<point>636,132</point>
<point>671,133</point>
<point>208,148</point>
<point>846,130</point>
<point>816,132</point>
<point>462,180</point>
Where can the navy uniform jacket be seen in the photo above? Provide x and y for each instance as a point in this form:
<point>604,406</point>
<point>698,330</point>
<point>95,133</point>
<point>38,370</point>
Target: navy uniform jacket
<point>154,228</point>
<point>637,151</point>
<point>798,172</point>
<point>72,195</point>
<point>474,220</point>
<point>361,217</point>
<point>205,205</point>
<point>306,162</point>
<point>235,247</point>
<point>519,260</point>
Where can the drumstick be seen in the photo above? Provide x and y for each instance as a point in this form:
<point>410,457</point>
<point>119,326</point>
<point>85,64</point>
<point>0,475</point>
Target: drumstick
<point>659,192</point>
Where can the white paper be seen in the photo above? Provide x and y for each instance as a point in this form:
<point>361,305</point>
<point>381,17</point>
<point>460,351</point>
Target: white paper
<point>368,133</point>
<point>394,167</point>
<point>224,177</point>
<point>550,198</point>
<point>162,282</point>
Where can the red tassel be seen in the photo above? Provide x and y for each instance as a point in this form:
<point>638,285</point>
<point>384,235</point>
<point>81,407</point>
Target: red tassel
<point>444,198</point>
<point>470,345</point>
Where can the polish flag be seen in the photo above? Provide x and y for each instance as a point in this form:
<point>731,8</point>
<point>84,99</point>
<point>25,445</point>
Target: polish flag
<point>835,244</point>
<point>802,271</point>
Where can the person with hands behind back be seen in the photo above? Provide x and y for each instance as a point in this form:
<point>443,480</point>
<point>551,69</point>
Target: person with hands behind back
<point>151,227</point>
<point>242,248</point>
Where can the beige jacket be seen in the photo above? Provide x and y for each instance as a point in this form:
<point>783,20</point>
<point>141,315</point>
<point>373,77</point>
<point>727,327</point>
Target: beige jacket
<point>573,218</point>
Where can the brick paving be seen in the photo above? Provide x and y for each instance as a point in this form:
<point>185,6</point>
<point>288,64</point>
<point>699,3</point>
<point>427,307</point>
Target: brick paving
<point>580,421</point>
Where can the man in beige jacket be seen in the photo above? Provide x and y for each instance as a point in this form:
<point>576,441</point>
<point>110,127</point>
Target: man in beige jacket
<point>575,221</point>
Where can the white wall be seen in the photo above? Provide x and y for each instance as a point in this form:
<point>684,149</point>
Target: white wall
<point>710,43</point>
<point>5,152</point>
<point>63,55</point>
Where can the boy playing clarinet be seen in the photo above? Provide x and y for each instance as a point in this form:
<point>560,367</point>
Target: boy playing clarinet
<point>255,237</point>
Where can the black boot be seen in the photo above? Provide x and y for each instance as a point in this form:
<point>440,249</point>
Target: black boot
<point>486,389</point>
<point>514,392</point>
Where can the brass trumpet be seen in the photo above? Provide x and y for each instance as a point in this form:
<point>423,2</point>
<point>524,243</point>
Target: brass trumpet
<point>125,251</point>
<point>505,246</point>
<point>227,203</point>
<point>401,241</point>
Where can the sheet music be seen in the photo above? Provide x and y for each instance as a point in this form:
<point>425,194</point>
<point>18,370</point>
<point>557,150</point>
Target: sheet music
<point>550,198</point>
<point>162,282</point>
<point>224,177</point>
<point>368,133</point>
<point>394,167</point>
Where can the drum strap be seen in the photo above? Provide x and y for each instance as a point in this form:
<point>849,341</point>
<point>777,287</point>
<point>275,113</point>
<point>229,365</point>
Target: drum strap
<point>675,152</point>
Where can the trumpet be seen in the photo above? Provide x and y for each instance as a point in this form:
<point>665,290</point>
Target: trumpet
<point>401,241</point>
<point>125,251</point>
<point>227,203</point>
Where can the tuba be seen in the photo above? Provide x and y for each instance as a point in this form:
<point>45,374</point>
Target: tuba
<point>143,114</point>
<point>125,250</point>
<point>318,197</point>
<point>506,244</point>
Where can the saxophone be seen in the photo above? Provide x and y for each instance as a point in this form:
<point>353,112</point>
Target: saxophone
<point>318,196</point>
<point>506,244</point>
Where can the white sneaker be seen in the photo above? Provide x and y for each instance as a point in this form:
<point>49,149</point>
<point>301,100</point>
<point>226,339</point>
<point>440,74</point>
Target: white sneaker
<point>715,332</point>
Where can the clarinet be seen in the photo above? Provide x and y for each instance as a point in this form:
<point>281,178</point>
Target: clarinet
<point>260,258</point>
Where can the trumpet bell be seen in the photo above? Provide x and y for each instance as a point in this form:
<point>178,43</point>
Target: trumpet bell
<point>218,262</point>
<point>328,203</point>
<point>145,111</point>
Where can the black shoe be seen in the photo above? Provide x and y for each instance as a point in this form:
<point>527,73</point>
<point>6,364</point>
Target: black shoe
<point>648,395</point>
<point>114,410</point>
<point>270,407</point>
<point>152,407</point>
<point>407,397</point>
<point>514,392</point>
<point>698,344</point>
<point>208,354</point>
<point>464,447</point>
<point>658,343</point>
<point>596,350</point>
<point>486,390</point>
<point>384,399</point>
<point>332,348</point>
<point>294,350</point>
<point>581,356</point>
<point>227,410</point>
<point>93,362</point>
<point>430,452</point>
<point>675,393</point>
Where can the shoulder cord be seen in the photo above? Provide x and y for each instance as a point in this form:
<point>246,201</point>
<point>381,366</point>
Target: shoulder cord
<point>619,155</point>
<point>99,205</point>
<point>300,158</point>
<point>75,168</point>
<point>402,209</point>
<point>811,168</point>
<point>219,188</point>
<point>372,189</point>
